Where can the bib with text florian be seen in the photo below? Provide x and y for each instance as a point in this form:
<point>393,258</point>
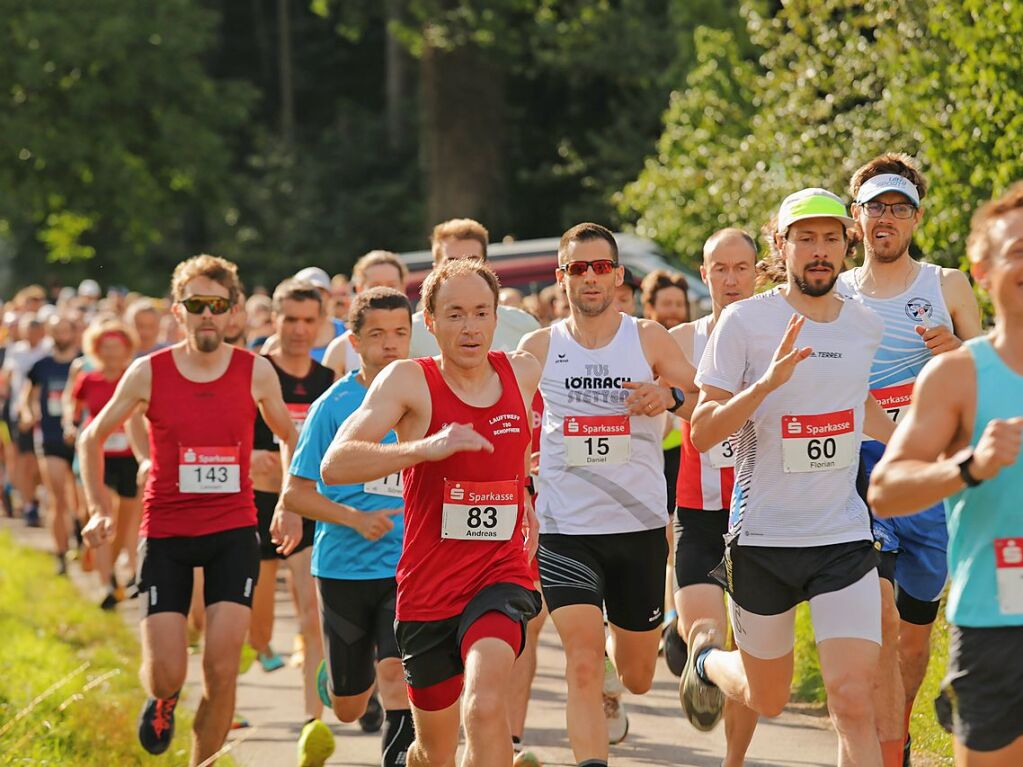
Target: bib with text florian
<point>597,439</point>
<point>722,455</point>
<point>480,510</point>
<point>1009,567</point>
<point>822,442</point>
<point>209,470</point>
<point>894,400</point>
<point>391,486</point>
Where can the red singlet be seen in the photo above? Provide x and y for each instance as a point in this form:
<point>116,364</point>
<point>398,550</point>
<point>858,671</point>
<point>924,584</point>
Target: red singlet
<point>438,576</point>
<point>200,441</point>
<point>699,484</point>
<point>94,390</point>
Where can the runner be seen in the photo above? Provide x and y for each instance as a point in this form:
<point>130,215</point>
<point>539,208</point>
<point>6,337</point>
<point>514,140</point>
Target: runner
<point>464,589</point>
<point>602,539</point>
<point>358,538</point>
<point>144,317</point>
<point>200,398</point>
<point>705,484</point>
<point>799,530</point>
<point>926,311</point>
<point>464,238</point>
<point>378,268</point>
<point>961,441</point>
<point>109,347</point>
<point>297,313</point>
<point>42,407</point>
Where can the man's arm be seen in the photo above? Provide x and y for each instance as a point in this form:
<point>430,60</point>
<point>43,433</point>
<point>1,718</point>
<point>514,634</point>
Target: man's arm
<point>876,423</point>
<point>720,413</point>
<point>356,454</point>
<point>299,495</point>
<point>910,477</point>
<point>962,304</point>
<point>683,335</point>
<point>334,356</point>
<point>134,387</point>
<point>28,410</point>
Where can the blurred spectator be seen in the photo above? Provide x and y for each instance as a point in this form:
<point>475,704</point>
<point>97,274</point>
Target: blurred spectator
<point>511,297</point>
<point>625,294</point>
<point>259,308</point>
<point>665,298</point>
<point>144,316</point>
<point>341,292</point>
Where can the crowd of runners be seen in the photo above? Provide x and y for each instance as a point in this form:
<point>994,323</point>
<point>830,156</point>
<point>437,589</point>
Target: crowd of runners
<point>438,480</point>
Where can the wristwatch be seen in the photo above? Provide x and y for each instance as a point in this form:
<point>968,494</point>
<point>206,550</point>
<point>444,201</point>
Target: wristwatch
<point>964,470</point>
<point>679,396</point>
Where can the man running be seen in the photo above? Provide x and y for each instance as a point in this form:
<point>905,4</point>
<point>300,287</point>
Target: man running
<point>799,530</point>
<point>601,495</point>
<point>926,311</point>
<point>464,588</point>
<point>358,537</point>
<point>200,398</point>
<point>297,314</point>
<point>705,482</point>
<point>961,441</point>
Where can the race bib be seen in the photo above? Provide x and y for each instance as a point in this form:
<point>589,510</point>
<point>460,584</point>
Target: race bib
<point>475,511</point>
<point>54,405</point>
<point>722,455</point>
<point>894,400</point>
<point>823,442</point>
<point>597,439</point>
<point>298,411</point>
<point>1009,569</point>
<point>209,470</point>
<point>116,443</point>
<point>391,486</point>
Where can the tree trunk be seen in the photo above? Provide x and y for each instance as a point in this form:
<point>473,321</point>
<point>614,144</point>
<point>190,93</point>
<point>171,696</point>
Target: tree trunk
<point>395,62</point>
<point>284,69</point>
<point>461,136</point>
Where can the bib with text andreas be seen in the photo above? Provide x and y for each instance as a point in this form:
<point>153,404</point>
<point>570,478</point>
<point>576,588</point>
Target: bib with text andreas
<point>475,511</point>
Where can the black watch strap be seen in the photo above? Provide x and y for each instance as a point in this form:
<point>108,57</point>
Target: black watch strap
<point>964,471</point>
<point>679,396</point>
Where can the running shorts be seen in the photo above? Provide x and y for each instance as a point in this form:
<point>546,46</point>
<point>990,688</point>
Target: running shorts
<point>59,450</point>
<point>120,474</point>
<point>265,505</point>
<point>623,572</point>
<point>699,545</point>
<point>230,563</point>
<point>358,629</point>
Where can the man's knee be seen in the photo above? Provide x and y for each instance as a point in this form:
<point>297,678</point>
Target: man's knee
<point>162,680</point>
<point>350,707</point>
<point>483,707</point>
<point>585,667</point>
<point>638,675</point>
<point>220,671</point>
<point>769,701</point>
<point>889,622</point>
<point>850,701</point>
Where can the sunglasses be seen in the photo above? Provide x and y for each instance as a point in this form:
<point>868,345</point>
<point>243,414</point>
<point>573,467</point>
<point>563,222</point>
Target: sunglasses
<point>198,304</point>
<point>578,268</point>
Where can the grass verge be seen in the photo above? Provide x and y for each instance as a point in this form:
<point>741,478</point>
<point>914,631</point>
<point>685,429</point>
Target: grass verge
<point>69,691</point>
<point>929,740</point>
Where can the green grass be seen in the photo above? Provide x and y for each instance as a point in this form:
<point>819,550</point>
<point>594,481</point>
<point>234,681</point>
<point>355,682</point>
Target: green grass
<point>928,737</point>
<point>69,691</point>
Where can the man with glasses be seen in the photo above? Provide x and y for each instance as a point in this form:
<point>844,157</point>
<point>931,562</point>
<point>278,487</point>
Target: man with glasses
<point>927,311</point>
<point>200,398</point>
<point>601,493</point>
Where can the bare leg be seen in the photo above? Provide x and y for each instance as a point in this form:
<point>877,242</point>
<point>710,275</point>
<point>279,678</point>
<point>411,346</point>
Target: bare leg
<point>522,677</point>
<point>309,625</point>
<point>848,667</point>
<point>581,628</point>
<point>436,737</point>
<point>488,670</point>
<point>1010,756</point>
<point>261,628</point>
<point>888,696</point>
<point>55,473</point>
<point>164,654</point>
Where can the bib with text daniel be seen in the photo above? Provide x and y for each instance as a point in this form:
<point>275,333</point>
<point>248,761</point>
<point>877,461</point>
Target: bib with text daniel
<point>597,439</point>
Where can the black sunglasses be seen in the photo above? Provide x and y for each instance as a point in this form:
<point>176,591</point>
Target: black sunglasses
<point>198,304</point>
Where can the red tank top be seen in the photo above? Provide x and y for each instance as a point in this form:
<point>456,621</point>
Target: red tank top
<point>437,576</point>
<point>95,390</point>
<point>200,442</point>
<point>699,484</point>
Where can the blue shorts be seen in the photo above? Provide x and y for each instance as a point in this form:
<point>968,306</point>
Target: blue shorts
<point>919,540</point>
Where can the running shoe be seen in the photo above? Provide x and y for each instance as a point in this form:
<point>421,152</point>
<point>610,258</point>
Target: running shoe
<point>131,588</point>
<point>156,724</point>
<point>31,515</point>
<point>322,684</point>
<point>527,759</point>
<point>675,651</point>
<point>372,718</point>
<point>269,660</point>
<point>702,703</point>
<point>614,709</point>
<point>907,751</point>
<point>248,651</point>
<point>239,722</point>
<point>315,744</point>
<point>109,601</point>
<point>61,564</point>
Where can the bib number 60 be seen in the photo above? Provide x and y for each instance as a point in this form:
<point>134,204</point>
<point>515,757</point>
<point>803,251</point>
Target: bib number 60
<point>816,448</point>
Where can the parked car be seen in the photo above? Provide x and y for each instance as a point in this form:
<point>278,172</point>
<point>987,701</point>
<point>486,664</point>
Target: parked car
<point>529,265</point>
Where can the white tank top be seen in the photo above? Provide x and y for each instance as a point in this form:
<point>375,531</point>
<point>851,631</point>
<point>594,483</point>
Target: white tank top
<point>705,480</point>
<point>797,457</point>
<point>601,470</point>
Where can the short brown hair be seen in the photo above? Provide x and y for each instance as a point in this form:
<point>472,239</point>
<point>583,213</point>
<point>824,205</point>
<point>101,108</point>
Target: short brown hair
<point>897,163</point>
<point>108,326</point>
<point>376,298</point>
<point>978,244</point>
<point>458,229</point>
<point>449,269</point>
<point>771,270</point>
<point>376,258</point>
<point>296,290</point>
<point>214,268</point>
<point>658,280</point>
<point>584,233</point>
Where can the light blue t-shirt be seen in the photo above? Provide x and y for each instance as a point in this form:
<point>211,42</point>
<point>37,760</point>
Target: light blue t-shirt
<point>339,551</point>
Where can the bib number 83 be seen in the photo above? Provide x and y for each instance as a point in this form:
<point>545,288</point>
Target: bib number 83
<point>485,517</point>
<point>816,448</point>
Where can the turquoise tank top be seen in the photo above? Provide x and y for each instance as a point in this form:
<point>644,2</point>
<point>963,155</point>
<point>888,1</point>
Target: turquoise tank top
<point>988,518</point>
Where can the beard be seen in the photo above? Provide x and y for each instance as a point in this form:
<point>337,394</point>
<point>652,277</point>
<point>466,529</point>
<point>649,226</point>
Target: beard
<point>814,290</point>
<point>593,310</point>
<point>207,342</point>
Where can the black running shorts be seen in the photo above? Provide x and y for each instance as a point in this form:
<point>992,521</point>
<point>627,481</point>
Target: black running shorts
<point>358,629</point>
<point>431,651</point>
<point>120,474</point>
<point>624,572</point>
<point>699,545</point>
<point>230,563</point>
<point>265,505</point>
